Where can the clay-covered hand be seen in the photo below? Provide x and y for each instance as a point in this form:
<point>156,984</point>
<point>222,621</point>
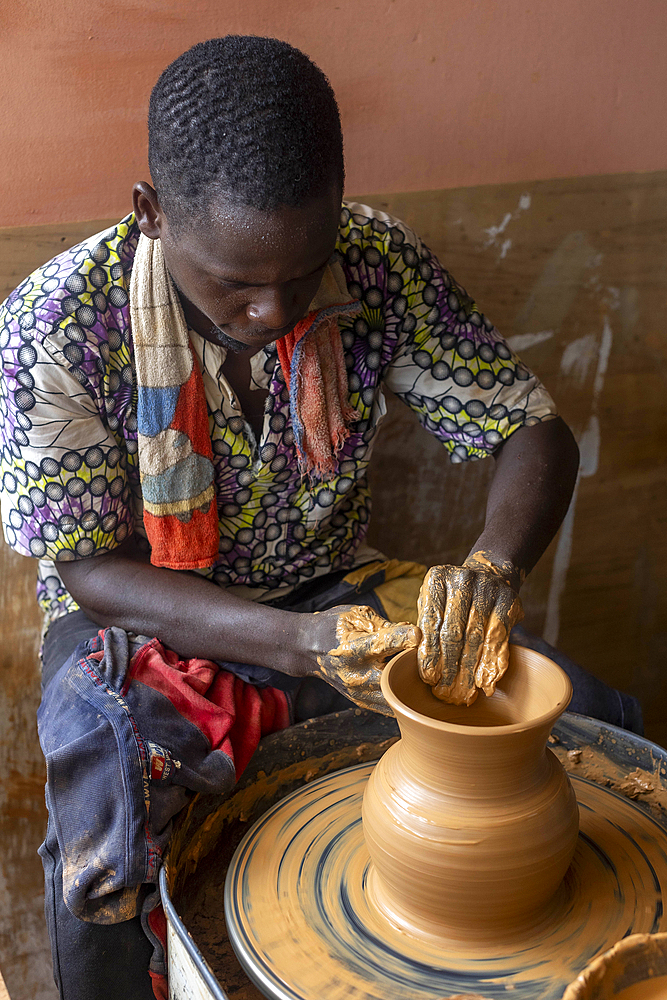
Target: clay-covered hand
<point>361,642</point>
<point>466,614</point>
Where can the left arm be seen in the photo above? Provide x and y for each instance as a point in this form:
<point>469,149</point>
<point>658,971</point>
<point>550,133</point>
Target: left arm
<point>446,360</point>
<point>466,612</point>
<point>536,469</point>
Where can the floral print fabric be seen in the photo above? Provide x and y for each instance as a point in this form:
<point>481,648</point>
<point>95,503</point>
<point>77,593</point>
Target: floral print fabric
<point>68,427</point>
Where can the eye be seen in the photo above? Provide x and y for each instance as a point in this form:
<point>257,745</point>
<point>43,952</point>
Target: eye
<point>231,285</point>
<point>317,273</point>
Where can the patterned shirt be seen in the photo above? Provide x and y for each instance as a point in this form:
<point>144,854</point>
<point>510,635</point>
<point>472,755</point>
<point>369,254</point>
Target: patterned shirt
<point>68,423</point>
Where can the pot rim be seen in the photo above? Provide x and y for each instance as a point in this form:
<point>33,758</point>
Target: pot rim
<point>443,726</point>
<point>627,948</point>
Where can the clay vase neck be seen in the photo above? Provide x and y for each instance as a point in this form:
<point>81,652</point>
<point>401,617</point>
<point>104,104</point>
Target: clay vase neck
<point>470,821</point>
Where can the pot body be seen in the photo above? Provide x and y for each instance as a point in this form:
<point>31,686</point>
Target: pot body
<point>471,824</point>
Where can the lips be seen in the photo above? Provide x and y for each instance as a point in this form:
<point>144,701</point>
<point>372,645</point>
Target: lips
<point>265,336</point>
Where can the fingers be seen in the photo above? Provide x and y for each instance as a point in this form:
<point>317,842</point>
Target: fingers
<point>388,641</point>
<point>430,609</point>
<point>362,686</point>
<point>369,696</point>
<point>464,689</point>
<point>494,657</point>
<point>365,641</point>
<point>357,618</point>
<point>466,616</point>
<point>377,647</point>
<point>460,591</point>
<point>365,637</point>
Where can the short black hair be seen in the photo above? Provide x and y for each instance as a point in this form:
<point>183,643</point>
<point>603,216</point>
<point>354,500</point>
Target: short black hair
<point>245,116</point>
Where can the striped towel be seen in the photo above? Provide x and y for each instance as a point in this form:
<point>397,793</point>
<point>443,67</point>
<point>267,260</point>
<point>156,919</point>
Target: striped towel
<point>175,455</point>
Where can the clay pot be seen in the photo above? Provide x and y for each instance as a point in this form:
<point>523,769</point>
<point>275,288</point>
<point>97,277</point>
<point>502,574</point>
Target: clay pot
<point>634,968</point>
<point>470,821</point>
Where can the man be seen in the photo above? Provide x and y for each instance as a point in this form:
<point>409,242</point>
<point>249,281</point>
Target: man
<point>190,402</point>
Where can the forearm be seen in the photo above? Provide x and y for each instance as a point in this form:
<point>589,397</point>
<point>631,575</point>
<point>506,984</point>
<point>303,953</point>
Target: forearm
<point>536,470</point>
<point>186,612</point>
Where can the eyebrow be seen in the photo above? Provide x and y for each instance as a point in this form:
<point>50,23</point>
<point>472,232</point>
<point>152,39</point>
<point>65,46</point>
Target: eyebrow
<point>255,284</point>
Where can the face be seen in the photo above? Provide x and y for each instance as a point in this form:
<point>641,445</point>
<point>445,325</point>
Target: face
<point>245,277</point>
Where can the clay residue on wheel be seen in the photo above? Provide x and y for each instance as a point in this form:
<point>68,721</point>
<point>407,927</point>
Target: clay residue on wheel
<point>465,996</point>
<point>203,868</point>
<point>640,785</point>
<point>247,804</point>
<point>300,894</point>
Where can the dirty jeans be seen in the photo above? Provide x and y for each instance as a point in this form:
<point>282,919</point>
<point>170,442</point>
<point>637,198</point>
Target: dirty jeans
<point>110,961</point>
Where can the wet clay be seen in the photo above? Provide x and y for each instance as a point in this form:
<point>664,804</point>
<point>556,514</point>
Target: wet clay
<point>503,568</point>
<point>300,916</point>
<point>648,989</point>
<point>466,614</point>
<point>365,642</point>
<point>202,847</point>
<point>593,763</point>
<point>634,969</point>
<point>469,820</point>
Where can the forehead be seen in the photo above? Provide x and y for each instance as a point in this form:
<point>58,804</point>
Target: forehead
<point>250,244</point>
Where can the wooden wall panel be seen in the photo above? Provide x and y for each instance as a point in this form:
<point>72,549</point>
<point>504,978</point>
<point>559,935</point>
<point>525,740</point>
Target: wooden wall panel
<point>575,273</point>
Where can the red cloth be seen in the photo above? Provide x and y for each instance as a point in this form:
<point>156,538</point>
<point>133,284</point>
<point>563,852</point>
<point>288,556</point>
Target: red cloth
<point>313,364</point>
<point>232,714</point>
<point>158,925</point>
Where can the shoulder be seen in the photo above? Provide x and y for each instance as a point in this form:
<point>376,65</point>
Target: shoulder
<point>363,227</point>
<point>83,292</point>
<point>387,264</point>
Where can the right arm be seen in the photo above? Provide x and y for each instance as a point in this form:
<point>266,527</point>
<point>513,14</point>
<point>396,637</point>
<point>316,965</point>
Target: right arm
<point>188,613</point>
<point>346,646</point>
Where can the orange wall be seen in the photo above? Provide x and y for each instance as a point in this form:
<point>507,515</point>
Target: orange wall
<point>434,93</point>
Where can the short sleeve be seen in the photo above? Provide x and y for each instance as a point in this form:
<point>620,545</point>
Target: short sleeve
<point>64,478</point>
<point>448,362</point>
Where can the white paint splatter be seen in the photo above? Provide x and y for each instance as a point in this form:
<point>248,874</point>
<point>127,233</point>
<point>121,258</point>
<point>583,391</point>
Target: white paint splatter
<point>612,298</point>
<point>504,248</point>
<point>522,341</point>
<point>577,357</point>
<point>493,232</point>
<point>603,362</point>
<point>589,449</point>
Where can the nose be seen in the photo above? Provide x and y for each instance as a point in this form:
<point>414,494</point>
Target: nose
<point>275,307</point>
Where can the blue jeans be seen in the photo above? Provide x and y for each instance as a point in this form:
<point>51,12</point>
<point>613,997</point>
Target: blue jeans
<point>92,961</point>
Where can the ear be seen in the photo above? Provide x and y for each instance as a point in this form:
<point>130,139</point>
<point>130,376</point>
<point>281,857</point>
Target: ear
<point>149,215</point>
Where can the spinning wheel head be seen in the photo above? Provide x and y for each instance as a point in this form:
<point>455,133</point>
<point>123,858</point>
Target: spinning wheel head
<point>302,924</point>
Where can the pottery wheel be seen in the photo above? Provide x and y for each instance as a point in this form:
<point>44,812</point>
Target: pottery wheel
<point>300,920</point>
